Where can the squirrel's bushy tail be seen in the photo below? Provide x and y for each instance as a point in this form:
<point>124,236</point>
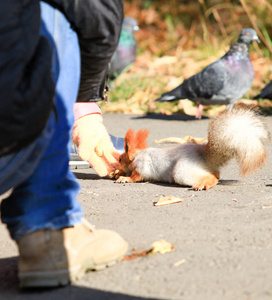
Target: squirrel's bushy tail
<point>241,134</point>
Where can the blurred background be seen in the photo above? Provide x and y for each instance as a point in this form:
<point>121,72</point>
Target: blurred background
<point>178,38</point>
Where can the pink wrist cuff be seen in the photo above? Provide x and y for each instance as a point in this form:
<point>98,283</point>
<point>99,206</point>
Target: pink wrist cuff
<point>82,109</point>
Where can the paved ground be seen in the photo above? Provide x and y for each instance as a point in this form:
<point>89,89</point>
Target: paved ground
<point>222,237</point>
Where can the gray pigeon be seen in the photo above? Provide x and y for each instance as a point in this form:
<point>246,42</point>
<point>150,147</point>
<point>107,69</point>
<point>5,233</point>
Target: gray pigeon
<point>266,92</point>
<point>222,82</point>
<point>126,50</point>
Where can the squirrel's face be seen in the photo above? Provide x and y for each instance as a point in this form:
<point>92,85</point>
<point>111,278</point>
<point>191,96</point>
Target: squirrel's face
<point>125,163</point>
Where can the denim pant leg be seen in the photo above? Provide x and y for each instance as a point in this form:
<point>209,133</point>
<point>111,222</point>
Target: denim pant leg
<point>47,199</point>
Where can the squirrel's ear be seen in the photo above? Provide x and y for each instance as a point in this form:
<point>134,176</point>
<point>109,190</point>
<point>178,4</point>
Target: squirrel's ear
<point>140,139</point>
<point>129,138</point>
<point>129,144</point>
<point>131,155</point>
<point>126,146</point>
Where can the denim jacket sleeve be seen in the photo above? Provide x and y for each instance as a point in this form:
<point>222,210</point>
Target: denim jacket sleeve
<point>98,25</point>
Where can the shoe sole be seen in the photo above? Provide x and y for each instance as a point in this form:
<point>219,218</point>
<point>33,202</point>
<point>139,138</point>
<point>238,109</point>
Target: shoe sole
<point>61,277</point>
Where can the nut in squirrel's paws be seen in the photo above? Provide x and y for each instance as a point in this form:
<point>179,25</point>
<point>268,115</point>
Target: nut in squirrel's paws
<point>115,174</point>
<point>112,174</point>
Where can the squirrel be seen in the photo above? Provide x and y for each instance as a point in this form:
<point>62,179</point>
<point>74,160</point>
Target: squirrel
<point>239,133</point>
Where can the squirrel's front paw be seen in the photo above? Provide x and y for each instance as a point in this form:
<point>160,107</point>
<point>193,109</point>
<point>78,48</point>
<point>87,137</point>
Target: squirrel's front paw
<point>123,179</point>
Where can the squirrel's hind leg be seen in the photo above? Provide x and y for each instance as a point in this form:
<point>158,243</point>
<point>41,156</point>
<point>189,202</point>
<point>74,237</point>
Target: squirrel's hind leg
<point>206,182</point>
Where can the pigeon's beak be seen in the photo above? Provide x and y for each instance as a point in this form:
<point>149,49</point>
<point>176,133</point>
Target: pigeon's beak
<point>256,39</point>
<point>136,28</point>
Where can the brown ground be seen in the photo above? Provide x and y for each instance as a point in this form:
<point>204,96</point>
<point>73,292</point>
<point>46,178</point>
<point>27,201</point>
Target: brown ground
<point>222,237</point>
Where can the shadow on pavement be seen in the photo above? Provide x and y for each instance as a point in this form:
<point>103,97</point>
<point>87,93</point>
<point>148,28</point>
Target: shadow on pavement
<point>9,289</point>
<point>168,117</point>
<point>229,182</point>
<point>87,175</point>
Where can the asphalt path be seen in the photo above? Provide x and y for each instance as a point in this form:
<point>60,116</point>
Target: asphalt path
<point>222,237</point>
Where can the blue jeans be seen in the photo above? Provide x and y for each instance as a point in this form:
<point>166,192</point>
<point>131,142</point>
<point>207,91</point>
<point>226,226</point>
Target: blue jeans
<point>45,190</point>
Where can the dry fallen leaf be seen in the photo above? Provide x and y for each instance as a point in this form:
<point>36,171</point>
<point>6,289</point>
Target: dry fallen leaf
<point>189,108</point>
<point>138,97</point>
<point>165,60</point>
<point>248,102</point>
<point>184,140</point>
<point>162,247</point>
<point>172,83</point>
<point>214,110</point>
<point>168,200</point>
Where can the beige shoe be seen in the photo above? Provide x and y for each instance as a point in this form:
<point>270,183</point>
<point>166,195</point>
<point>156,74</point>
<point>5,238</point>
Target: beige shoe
<point>50,258</point>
